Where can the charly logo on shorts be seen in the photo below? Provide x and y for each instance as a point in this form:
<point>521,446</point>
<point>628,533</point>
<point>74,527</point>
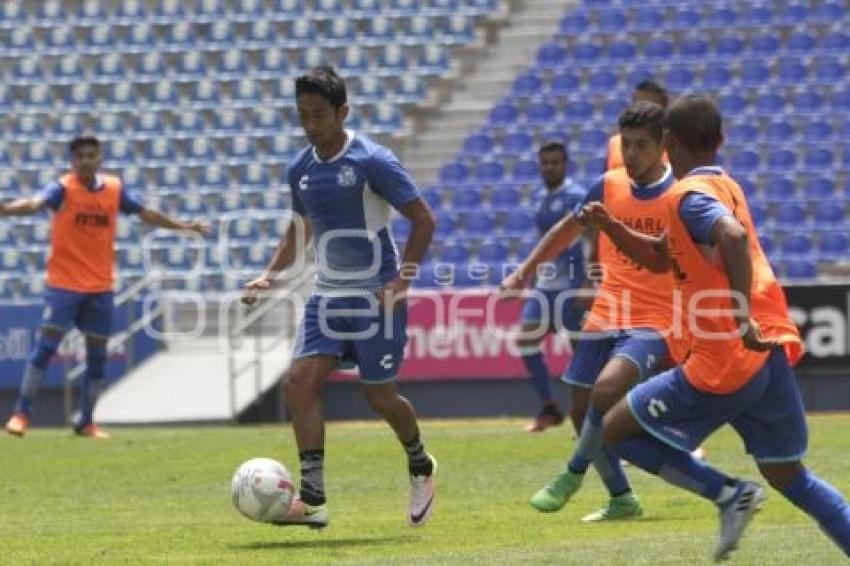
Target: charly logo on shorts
<point>656,407</point>
<point>302,184</point>
<point>387,361</point>
<point>346,176</point>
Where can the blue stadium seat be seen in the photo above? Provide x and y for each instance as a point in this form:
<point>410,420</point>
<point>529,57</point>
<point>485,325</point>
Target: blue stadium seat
<point>489,171</point>
<point>392,60</point>
<point>150,69</point>
<point>790,216</point>
<point>80,97</point>
<point>539,112</point>
<point>67,126</point>
<point>109,125</point>
<point>27,71</point>
<point>267,120</point>
<point>433,60</point>
<point>839,101</point>
<point>526,170</point>
<point>794,14</point>
<point>800,269</point>
<point>19,42</point>
<point>220,35</point>
<point>648,19</point>
<point>232,65</point>
<point>779,189</point>
<point>492,252</point>
<point>659,48</point>
<point>744,161</point>
<point>200,151</point>
<point>828,215</point>
<point>410,89</point>
<point>800,41</point>
<point>517,142</point>
<point>833,245</point>
<point>205,94</point>
<point>209,11</point>
<point>172,177</point>
<point>716,76</point>
<point>791,71</point>
<point>551,55</point>
<point>722,17</point>
<point>260,34</point>
<point>769,104</point>
<point>140,39</point>
<point>612,108</point>
<point>245,94</point>
<point>273,64</point>
<point>131,11</point>
<point>380,30</point>
<point>453,173</point>
<point>109,69</point>
<point>829,69</point>
<point>503,114</point>
<point>340,32</point>
<point>26,127</point>
<point>188,125</point>
<point>148,125</point>
<point>781,160</point>
<point>179,36</point>
<point>611,20</point>
<point>765,44</point>
<point>481,223</point>
<point>578,111</point>
<point>158,152</point>
<point>164,96</point>
<point>819,188</point>
<point>564,83</point>
<point>68,71</point>
<point>12,15</point>
<point>729,46</point>
<point>818,159</point>
<point>693,47</point>
<point>385,119</point>
<point>829,12</point>
<point>417,30</point>
<point>60,40</point>
<point>768,245</point>
<point>518,222</point>
<point>455,252</point>
<point>574,22</point>
<point>684,17</point>
<point>732,104</point>
<point>191,66</point>
<point>255,176</point>
<point>602,80</point>
<point>446,224</point>
<point>754,72</point>
<point>796,245</point>
<point>38,99</point>
<point>835,41</point>
<point>504,197</point>
<point>211,177</point>
<point>816,131</point>
<point>679,78</point>
<point>366,7</point>
<point>433,196</point>
<point>458,30</point>
<point>622,50</point>
<point>167,11</point>
<point>478,145</point>
<point>757,15</point>
<point>328,7</point>
<point>302,33</point>
<point>586,52</point>
<point>240,149</point>
<point>527,84</point>
<point>778,131</point>
<point>741,132</point>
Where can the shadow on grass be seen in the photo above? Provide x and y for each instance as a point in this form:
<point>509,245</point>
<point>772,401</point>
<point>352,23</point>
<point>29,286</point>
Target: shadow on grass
<point>324,543</point>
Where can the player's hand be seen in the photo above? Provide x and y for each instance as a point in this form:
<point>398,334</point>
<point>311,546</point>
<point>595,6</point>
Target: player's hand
<point>393,295</point>
<point>594,215</point>
<point>254,288</point>
<point>201,227</point>
<point>511,285</point>
<point>753,338</point>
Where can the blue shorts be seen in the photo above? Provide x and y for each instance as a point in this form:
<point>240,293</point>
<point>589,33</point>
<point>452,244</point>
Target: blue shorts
<point>767,412</point>
<point>90,313</point>
<point>644,347</point>
<point>545,306</point>
<point>355,330</point>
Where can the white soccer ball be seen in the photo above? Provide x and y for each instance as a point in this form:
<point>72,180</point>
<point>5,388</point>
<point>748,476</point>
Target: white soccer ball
<point>262,490</point>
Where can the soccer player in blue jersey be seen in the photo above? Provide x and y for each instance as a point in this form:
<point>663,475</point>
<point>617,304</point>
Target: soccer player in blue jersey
<point>547,306</point>
<point>343,189</point>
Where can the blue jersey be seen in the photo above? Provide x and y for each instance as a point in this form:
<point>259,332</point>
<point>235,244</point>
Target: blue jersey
<point>348,201</point>
<point>569,266</point>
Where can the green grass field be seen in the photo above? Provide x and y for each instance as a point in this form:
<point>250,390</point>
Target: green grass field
<point>162,496</point>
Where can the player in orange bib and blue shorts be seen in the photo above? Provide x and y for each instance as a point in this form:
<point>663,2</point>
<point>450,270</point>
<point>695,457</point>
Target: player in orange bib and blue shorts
<point>741,341</point>
<point>85,205</point>
<point>623,339</point>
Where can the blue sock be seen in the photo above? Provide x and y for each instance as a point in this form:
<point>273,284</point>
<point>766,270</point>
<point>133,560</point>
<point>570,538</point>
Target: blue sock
<point>824,503</point>
<point>607,465</point>
<point>91,382</point>
<point>589,441</point>
<point>676,467</point>
<point>34,372</point>
<point>539,372</point>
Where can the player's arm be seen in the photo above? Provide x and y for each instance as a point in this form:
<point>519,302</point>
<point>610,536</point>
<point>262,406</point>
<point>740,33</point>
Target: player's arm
<point>422,225</point>
<point>161,220</point>
<point>292,243</point>
<point>23,206</point>
<point>648,251</point>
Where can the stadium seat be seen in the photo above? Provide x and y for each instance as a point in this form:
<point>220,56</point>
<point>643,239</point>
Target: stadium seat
<point>778,131</point>
<point>20,42</point>
<point>800,269</point>
<point>794,14</point>
<point>722,17</point>
<point>504,197</point>
<point>679,78</point>
<point>59,40</point>
<point>386,119</point>
<point>800,41</point>
<point>80,97</point>
<point>12,15</point>
<point>796,245</point>
<point>480,224</point>
<point>27,71</point>
<point>573,23</point>
<point>757,15</point>
<point>527,84</point>
<point>148,125</point>
<point>765,44</point>
<point>503,114</point>
<point>781,160</point>
<point>518,222</point>
<point>779,189</point>
<point>816,131</point>
<point>744,161</point>
<point>27,127</point>
<point>769,104</point>
<point>539,112</point>
<point>741,132</point>
<point>453,173</point>
<point>564,83</point>
<point>525,170</point>
<point>454,252</point>
<point>819,188</point>
<point>834,41</point>
<point>602,80</point>
<point>716,76</point>
<point>693,47</point>
<point>340,32</point>
<point>273,64</point>
<point>209,11</point>
<point>392,60</point>
<point>433,60</point>
<point>790,216</point>
<point>768,245</point>
<point>791,72</point>
<point>611,20</point>
<point>188,124</point>
<point>302,33</point>
<point>839,100</point>
<point>551,55</point>
<point>818,159</point>
<point>478,145</point>
<point>833,245</point>
<point>829,69</point>
<point>754,72</point>
<point>245,94</point>
<point>200,152</point>
<point>380,30</point>
<point>622,50</point>
<point>410,89</point>
<point>205,94</point>
<point>489,171</point>
<point>828,215</point>
<point>683,17</point>
<point>729,46</point>
<point>446,225</point>
<point>433,196</point>
<point>829,12</point>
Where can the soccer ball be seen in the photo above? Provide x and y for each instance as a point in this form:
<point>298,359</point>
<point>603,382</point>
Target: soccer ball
<point>262,490</point>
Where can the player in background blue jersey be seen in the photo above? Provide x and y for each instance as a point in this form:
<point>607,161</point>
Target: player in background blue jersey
<point>551,308</point>
<point>344,187</point>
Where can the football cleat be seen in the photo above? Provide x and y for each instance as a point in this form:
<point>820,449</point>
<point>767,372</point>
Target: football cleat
<point>423,490</point>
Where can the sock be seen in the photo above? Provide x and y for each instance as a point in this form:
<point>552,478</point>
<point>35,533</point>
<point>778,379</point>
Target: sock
<point>607,465</point>
<point>536,366</point>
<point>678,468</point>
<point>823,503</point>
<point>34,372</point>
<point>589,441</point>
<point>91,382</point>
<point>418,462</point>
<point>312,477</point>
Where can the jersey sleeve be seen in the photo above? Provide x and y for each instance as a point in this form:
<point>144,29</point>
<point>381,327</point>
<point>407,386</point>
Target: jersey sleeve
<point>53,195</point>
<point>388,178</point>
<point>297,204</point>
<point>700,212</point>
<point>594,194</point>
<point>129,203</point>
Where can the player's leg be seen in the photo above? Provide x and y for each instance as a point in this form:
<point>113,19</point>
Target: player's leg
<point>58,317</point>
<point>315,354</point>
<point>94,320</point>
<point>528,342</point>
<point>657,427</point>
<point>775,432</point>
<point>379,357</point>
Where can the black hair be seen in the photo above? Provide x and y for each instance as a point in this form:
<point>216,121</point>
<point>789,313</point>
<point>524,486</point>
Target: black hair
<point>324,81</point>
<point>696,121</point>
<point>655,88</point>
<point>83,141</point>
<point>644,114</point>
<point>554,146</point>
